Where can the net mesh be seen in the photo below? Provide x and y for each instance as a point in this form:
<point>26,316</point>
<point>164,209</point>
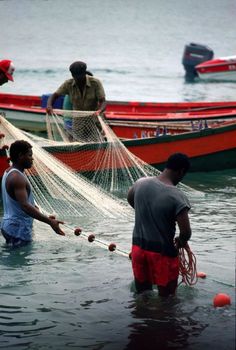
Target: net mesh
<point>96,152</point>
<point>82,169</point>
<point>61,191</point>
<point>88,145</point>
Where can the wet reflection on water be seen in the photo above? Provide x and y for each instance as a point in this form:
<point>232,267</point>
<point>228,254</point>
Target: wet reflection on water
<point>161,324</point>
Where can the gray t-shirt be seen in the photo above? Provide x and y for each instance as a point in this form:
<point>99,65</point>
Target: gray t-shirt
<point>156,208</point>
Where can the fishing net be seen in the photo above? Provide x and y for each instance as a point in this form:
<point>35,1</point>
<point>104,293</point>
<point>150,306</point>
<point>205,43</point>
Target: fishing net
<point>61,191</point>
<point>89,146</point>
<point>68,126</point>
<point>82,169</point>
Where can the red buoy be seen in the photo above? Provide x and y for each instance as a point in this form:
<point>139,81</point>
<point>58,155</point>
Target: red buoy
<point>221,299</point>
<point>77,231</point>
<point>112,247</point>
<point>201,274</point>
<point>91,238</point>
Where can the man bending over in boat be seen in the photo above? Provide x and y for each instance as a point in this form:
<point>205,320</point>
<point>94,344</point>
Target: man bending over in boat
<point>6,71</point>
<point>85,92</point>
<point>158,205</point>
<point>18,202</point>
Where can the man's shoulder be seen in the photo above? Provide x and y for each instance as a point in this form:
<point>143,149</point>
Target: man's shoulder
<point>180,196</point>
<point>65,87</point>
<point>14,178</point>
<point>11,171</point>
<point>93,80</point>
<point>145,181</point>
<point>68,82</point>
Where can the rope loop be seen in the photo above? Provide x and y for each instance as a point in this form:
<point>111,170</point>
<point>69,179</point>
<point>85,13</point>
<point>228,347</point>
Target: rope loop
<point>187,266</point>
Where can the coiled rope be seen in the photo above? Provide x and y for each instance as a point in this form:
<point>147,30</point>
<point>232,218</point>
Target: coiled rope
<point>187,266</point>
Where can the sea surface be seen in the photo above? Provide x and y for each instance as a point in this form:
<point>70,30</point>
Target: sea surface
<point>64,292</point>
<point>134,46</point>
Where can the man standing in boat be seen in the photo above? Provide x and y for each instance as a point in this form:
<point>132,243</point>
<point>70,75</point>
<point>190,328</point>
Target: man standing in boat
<point>85,92</point>
<point>18,202</point>
<point>6,71</point>
<point>158,205</point>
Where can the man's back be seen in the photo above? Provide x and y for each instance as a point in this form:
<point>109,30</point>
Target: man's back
<point>156,208</point>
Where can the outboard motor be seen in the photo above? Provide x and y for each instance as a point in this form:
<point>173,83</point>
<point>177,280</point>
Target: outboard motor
<point>193,55</point>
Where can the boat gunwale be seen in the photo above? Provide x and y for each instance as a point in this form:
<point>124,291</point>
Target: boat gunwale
<point>146,141</point>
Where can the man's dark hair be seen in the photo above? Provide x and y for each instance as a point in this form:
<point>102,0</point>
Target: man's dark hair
<point>78,68</point>
<point>178,161</point>
<point>19,147</point>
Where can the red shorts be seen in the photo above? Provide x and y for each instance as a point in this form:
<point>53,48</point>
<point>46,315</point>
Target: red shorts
<point>153,267</point>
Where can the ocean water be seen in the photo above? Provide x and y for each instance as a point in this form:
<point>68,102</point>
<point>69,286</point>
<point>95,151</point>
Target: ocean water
<point>134,46</point>
<point>67,293</point>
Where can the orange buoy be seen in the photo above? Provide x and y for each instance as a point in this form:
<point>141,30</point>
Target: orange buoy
<point>91,238</point>
<point>201,274</point>
<point>221,299</point>
<point>112,247</point>
<point>77,231</point>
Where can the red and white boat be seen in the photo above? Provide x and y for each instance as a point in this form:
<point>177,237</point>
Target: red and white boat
<point>223,68</point>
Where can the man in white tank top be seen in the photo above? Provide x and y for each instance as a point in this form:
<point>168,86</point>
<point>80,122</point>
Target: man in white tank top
<point>18,202</point>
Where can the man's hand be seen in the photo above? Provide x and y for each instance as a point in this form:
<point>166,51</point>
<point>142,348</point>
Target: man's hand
<point>97,113</point>
<point>55,225</point>
<point>49,110</point>
<point>179,243</point>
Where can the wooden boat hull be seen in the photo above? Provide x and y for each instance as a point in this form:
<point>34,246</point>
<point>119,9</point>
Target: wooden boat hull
<point>209,149</point>
<point>26,112</point>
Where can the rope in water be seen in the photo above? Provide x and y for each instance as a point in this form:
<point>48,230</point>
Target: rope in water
<point>187,266</point>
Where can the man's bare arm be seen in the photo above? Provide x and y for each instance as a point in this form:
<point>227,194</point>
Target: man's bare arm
<point>50,102</point>
<point>184,228</point>
<point>21,196</point>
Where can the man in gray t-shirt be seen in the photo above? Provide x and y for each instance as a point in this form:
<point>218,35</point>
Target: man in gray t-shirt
<point>158,205</point>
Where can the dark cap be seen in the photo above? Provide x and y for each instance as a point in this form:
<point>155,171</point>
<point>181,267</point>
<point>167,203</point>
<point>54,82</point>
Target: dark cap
<point>78,68</point>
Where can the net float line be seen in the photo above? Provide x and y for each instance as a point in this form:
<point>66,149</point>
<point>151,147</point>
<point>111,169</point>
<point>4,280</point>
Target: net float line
<point>90,237</point>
